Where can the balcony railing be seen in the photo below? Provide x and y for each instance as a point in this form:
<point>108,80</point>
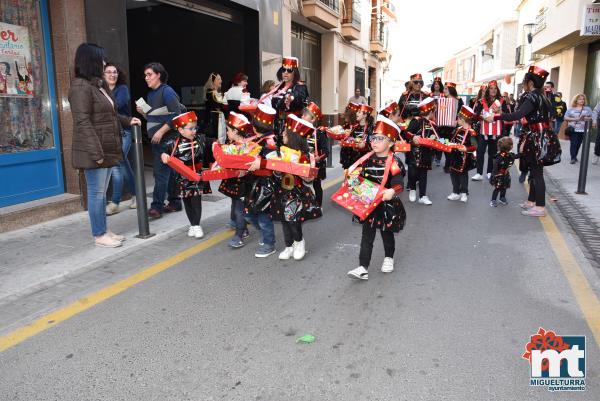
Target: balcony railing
<point>352,12</point>
<point>333,4</point>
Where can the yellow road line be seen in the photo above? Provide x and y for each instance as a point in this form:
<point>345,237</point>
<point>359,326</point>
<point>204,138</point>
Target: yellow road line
<point>586,298</point>
<point>87,302</point>
<point>83,304</point>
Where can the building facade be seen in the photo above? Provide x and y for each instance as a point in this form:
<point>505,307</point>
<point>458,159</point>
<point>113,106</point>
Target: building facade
<point>549,36</point>
<point>341,44</point>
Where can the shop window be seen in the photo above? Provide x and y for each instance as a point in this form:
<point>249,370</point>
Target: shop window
<point>25,108</point>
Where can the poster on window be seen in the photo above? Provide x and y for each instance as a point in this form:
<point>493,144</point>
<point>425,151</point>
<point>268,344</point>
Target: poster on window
<point>590,23</point>
<point>16,78</point>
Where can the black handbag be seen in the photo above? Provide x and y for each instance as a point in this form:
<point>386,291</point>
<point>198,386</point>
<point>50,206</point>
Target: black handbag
<point>569,131</point>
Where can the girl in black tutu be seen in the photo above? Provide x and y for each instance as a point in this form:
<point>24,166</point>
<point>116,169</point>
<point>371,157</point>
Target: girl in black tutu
<point>500,178</point>
<point>294,200</point>
<point>389,217</point>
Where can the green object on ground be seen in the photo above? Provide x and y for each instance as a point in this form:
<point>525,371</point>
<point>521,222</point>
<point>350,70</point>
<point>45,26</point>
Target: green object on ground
<point>306,339</point>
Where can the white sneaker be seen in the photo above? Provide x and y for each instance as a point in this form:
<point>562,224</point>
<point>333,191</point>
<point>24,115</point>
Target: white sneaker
<point>112,208</point>
<point>105,241</point>
<point>477,177</point>
<point>412,195</point>
<point>133,204</point>
<point>192,231</point>
<point>118,237</point>
<point>286,253</point>
<point>424,200</point>
<point>299,250</point>
<point>198,232</point>
<point>489,175</point>
<point>596,160</point>
<point>453,196</point>
<point>359,273</point>
<point>463,197</point>
<point>388,265</point>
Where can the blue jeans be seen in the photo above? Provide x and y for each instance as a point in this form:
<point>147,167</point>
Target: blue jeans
<point>237,206</point>
<point>576,140</point>
<point>97,183</point>
<point>164,181</point>
<point>557,123</point>
<point>123,171</point>
<point>263,222</point>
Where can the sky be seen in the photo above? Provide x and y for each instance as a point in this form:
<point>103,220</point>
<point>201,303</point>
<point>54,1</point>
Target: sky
<point>429,32</point>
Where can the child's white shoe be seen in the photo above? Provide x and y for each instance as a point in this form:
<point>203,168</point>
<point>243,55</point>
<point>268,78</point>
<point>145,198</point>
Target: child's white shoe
<point>192,231</point>
<point>424,200</point>
<point>359,273</point>
<point>286,253</point>
<point>299,249</point>
<point>388,265</point>
<point>464,197</point>
<point>453,196</point>
<point>199,233</point>
<point>412,195</point>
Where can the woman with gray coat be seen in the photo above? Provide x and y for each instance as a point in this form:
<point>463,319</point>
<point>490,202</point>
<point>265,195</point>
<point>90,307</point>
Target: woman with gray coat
<point>96,136</point>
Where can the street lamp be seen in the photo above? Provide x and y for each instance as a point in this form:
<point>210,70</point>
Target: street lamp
<point>528,28</point>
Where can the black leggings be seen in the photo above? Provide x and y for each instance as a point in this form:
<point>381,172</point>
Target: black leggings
<point>318,191</point>
<point>497,191</point>
<point>292,231</point>
<point>193,209</point>
<point>417,174</point>
<point>537,185</point>
<point>492,148</point>
<point>366,244</point>
<point>460,182</point>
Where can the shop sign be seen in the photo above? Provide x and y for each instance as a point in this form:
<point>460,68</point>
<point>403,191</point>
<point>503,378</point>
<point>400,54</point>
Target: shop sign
<point>16,79</point>
<point>590,22</point>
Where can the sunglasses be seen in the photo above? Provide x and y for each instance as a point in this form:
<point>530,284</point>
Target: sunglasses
<point>378,138</point>
<point>418,82</point>
<point>193,129</point>
<point>288,70</point>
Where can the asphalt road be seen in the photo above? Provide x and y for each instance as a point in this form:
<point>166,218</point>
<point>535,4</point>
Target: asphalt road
<point>471,285</point>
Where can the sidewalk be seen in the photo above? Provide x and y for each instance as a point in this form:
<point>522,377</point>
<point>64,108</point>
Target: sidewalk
<point>567,175</point>
<point>40,256</point>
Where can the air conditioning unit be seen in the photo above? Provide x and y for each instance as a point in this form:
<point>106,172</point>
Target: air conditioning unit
<point>536,56</point>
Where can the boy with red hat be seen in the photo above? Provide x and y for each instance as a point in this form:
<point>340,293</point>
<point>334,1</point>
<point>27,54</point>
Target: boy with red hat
<point>238,129</point>
<point>319,147</point>
<point>194,150</point>
<point>420,158</point>
<point>462,158</point>
<point>389,216</point>
<point>260,189</point>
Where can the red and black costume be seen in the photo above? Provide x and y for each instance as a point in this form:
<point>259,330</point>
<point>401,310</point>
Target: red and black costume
<point>460,162</point>
<point>349,154</point>
<point>409,101</point>
<point>420,158</point>
<point>538,144</point>
<point>195,154</point>
<point>500,178</point>
<point>296,91</point>
<point>389,216</point>
<point>318,144</point>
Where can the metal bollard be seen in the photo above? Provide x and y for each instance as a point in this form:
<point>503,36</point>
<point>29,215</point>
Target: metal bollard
<point>140,184</point>
<point>585,158</point>
<point>329,162</point>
